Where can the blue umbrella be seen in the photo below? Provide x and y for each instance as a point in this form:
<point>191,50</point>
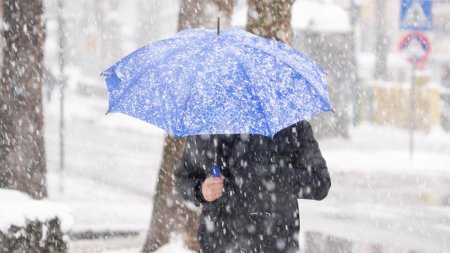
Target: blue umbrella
<point>202,82</point>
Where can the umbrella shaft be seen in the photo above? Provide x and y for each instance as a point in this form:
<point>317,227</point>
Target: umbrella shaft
<point>218,25</point>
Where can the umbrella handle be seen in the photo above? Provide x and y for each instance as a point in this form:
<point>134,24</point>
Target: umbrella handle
<point>216,170</point>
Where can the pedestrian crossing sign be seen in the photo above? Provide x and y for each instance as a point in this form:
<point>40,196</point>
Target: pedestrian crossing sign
<point>416,15</point>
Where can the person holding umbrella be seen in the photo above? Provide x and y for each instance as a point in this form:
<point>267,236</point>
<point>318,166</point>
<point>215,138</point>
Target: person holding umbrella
<point>252,206</point>
<point>241,101</point>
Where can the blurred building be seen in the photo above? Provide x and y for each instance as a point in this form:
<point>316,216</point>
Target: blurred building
<point>379,99</point>
<point>98,33</point>
<point>322,31</point>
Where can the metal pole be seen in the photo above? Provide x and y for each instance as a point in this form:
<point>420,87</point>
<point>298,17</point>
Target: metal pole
<point>354,11</point>
<point>61,92</point>
<point>412,113</point>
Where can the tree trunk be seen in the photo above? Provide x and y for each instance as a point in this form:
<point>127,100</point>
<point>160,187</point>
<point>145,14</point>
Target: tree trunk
<point>271,19</point>
<point>2,43</point>
<point>22,154</point>
<point>170,214</point>
<point>204,13</point>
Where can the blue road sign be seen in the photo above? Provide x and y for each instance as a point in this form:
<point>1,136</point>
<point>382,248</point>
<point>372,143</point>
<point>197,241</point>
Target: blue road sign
<point>416,15</point>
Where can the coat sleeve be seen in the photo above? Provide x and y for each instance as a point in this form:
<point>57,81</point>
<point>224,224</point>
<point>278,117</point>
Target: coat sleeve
<point>188,177</point>
<point>312,180</point>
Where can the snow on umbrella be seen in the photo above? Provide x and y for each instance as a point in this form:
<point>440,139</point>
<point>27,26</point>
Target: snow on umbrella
<point>202,82</point>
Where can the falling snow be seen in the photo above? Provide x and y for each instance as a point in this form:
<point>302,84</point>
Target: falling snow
<point>389,178</point>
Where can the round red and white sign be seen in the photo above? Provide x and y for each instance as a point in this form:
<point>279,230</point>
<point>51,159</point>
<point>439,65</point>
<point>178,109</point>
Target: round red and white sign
<point>416,47</point>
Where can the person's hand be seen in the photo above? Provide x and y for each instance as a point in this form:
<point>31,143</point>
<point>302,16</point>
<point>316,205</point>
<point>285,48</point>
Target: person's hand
<point>212,188</point>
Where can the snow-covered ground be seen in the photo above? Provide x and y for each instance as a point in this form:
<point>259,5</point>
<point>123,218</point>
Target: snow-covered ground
<point>99,206</point>
<point>386,149</point>
<point>124,245</point>
<point>379,195</point>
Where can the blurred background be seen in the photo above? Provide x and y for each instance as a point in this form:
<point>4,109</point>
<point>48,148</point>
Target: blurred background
<point>387,145</point>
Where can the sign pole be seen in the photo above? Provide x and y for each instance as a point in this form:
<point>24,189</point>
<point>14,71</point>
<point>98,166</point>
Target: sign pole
<point>415,16</point>
<point>412,113</point>
<point>418,47</point>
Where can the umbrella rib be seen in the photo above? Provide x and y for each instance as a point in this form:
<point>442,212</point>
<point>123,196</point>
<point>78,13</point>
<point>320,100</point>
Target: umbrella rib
<point>132,83</point>
<point>111,70</point>
<point>192,77</point>
<point>178,111</point>
<point>245,44</point>
<point>252,93</point>
<point>287,47</point>
<point>306,79</point>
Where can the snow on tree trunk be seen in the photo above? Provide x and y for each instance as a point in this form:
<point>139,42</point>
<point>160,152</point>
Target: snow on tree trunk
<point>270,19</point>
<point>22,154</point>
<point>170,214</point>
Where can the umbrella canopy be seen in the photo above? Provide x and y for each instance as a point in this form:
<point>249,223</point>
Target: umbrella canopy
<point>199,82</point>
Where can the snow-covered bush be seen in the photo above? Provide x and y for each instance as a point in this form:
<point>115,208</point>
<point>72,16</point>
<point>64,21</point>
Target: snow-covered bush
<point>28,225</point>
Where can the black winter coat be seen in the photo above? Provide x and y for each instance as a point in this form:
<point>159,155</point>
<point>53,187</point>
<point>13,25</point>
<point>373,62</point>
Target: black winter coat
<point>264,177</point>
